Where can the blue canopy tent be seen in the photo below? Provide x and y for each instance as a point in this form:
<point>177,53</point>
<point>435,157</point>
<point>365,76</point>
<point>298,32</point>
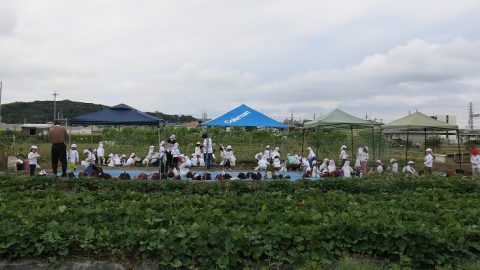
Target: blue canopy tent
<point>120,114</point>
<point>244,116</point>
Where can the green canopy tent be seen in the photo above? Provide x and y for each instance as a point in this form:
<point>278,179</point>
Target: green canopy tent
<point>421,122</point>
<point>338,119</point>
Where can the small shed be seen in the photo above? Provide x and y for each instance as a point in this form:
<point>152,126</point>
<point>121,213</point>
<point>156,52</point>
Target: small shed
<point>35,129</point>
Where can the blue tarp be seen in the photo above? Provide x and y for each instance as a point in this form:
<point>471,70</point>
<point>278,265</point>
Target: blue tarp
<point>244,116</point>
<point>117,115</point>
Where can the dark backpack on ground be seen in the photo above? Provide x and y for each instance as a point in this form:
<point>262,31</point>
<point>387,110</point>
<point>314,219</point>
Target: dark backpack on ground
<point>242,176</point>
<point>219,177</point>
<point>189,175</point>
<point>206,176</point>
<point>125,176</point>
<point>97,171</point>
<point>227,176</point>
<point>105,176</point>
<point>142,176</point>
<point>155,176</point>
<point>71,175</point>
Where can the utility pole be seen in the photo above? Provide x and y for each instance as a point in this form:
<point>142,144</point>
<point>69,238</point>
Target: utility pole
<point>55,104</point>
<point>471,116</point>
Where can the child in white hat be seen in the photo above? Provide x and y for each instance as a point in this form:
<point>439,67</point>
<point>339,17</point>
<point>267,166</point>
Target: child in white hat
<point>343,154</point>
<point>393,165</point>
<point>73,158</point>
<point>410,168</point>
<point>428,160</point>
<point>33,159</point>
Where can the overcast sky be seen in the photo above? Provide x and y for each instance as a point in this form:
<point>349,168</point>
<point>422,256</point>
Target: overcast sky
<point>378,57</point>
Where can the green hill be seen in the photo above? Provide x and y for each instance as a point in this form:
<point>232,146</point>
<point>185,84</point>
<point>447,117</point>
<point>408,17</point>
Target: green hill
<point>42,112</point>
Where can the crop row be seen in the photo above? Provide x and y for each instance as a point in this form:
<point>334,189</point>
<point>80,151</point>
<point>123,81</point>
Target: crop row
<point>421,223</point>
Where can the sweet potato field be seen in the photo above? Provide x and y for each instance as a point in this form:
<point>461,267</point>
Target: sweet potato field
<point>419,223</point>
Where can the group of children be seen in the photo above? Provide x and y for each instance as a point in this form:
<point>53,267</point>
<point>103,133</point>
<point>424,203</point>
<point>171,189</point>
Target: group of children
<point>311,168</point>
<point>266,160</point>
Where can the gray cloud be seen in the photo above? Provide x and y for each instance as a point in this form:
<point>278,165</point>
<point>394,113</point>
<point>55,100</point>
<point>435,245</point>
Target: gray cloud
<point>281,57</point>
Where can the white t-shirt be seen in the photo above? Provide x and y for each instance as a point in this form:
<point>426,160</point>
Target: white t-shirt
<point>208,146</point>
<point>32,158</point>
<point>475,160</point>
<point>343,154</point>
<point>73,156</point>
<point>428,160</point>
<point>100,152</point>
<point>394,167</point>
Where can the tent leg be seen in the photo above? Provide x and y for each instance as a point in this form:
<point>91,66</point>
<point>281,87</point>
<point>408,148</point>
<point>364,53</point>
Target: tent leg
<point>373,142</point>
<point>458,146</point>
<point>303,140</point>
<point>351,139</point>
<point>406,148</point>
<point>425,139</point>
<point>425,142</point>
<point>160,152</point>
<point>379,143</point>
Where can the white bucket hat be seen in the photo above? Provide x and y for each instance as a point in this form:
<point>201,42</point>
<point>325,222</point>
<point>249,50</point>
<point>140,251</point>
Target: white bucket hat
<point>229,147</point>
<point>343,147</point>
<point>74,146</point>
<point>428,150</point>
<point>34,147</point>
<point>411,162</point>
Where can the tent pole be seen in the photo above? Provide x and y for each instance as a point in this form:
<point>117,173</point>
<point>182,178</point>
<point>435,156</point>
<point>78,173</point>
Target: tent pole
<point>159,152</point>
<point>373,142</point>
<point>303,139</point>
<point>379,143</point>
<point>351,139</point>
<point>425,140</point>
<point>406,148</point>
<point>318,134</point>
<point>458,146</point>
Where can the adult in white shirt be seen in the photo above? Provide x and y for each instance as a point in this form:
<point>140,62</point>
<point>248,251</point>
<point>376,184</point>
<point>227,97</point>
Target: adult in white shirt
<point>343,154</point>
<point>475,160</point>
<point>428,160</point>
<point>207,150</point>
